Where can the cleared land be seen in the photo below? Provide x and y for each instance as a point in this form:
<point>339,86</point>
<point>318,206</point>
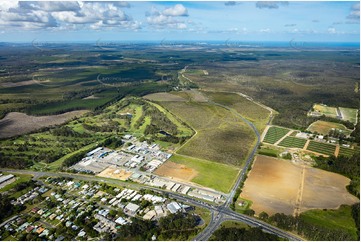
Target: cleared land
<point>327,111</point>
<point>293,142</point>
<point>322,148</point>
<point>323,127</point>
<point>164,97</point>
<point>209,174</point>
<point>255,113</point>
<point>174,170</point>
<point>16,123</point>
<point>221,135</point>
<point>323,189</point>
<point>274,134</point>
<point>349,114</point>
<point>274,185</point>
<point>115,173</point>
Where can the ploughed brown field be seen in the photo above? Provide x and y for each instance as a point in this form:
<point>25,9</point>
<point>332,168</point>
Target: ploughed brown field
<point>280,186</point>
<point>181,172</point>
<point>16,123</point>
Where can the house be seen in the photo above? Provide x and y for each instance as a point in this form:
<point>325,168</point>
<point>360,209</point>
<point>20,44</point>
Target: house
<point>121,221</point>
<point>29,229</point>
<point>40,230</point>
<point>35,210</point>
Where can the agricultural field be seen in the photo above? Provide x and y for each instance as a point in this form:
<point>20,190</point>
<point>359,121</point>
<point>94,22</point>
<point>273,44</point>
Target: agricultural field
<point>346,151</point>
<point>199,171</point>
<point>322,148</point>
<point>164,97</point>
<point>293,142</point>
<point>349,114</point>
<point>324,127</point>
<point>274,134</point>
<point>319,189</point>
<point>221,136</point>
<point>19,123</point>
<point>258,115</point>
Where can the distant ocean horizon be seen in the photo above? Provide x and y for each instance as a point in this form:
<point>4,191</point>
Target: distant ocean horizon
<point>227,43</point>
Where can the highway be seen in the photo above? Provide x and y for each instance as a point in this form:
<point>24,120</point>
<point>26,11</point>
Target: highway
<point>219,214</point>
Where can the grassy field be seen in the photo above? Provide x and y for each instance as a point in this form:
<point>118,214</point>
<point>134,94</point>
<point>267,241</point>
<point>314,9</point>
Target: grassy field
<point>268,150</point>
<point>349,114</point>
<point>256,114</point>
<point>293,142</point>
<point>322,148</point>
<point>221,135</point>
<point>210,174</point>
<point>275,133</point>
<point>340,219</point>
<point>323,127</point>
<point>327,111</point>
<point>19,179</point>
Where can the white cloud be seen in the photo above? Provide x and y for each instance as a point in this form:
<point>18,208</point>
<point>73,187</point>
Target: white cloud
<point>65,15</point>
<point>168,17</point>
<point>270,5</point>
<point>267,30</point>
<point>331,31</point>
<point>355,12</point>
<point>176,10</point>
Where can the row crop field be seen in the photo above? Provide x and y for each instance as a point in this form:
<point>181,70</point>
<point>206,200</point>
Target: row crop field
<point>346,151</point>
<point>293,142</point>
<point>322,148</point>
<point>274,134</point>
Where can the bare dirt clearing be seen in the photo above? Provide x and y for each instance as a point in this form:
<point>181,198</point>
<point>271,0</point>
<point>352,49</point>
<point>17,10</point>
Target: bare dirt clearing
<point>278,186</point>
<point>164,97</point>
<point>16,123</point>
<point>171,169</point>
<point>115,173</point>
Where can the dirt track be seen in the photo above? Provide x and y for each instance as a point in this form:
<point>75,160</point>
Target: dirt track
<point>20,123</point>
<point>279,186</point>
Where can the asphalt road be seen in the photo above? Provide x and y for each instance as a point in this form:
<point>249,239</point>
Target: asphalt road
<point>219,218</point>
<point>219,213</point>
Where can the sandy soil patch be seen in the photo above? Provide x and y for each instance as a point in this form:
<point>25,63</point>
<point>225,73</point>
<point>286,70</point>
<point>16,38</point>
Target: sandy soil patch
<point>91,97</point>
<point>279,186</point>
<point>115,173</point>
<point>18,84</point>
<point>164,97</point>
<point>16,123</point>
<point>171,169</point>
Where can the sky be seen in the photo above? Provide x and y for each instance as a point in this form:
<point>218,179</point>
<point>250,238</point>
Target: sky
<point>72,21</point>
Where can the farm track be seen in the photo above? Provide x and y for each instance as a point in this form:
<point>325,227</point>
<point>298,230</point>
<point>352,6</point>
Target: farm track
<point>296,212</point>
<point>286,135</point>
<point>306,145</point>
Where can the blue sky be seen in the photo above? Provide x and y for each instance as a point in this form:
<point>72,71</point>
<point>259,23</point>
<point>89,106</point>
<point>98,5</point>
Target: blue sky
<point>155,21</point>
